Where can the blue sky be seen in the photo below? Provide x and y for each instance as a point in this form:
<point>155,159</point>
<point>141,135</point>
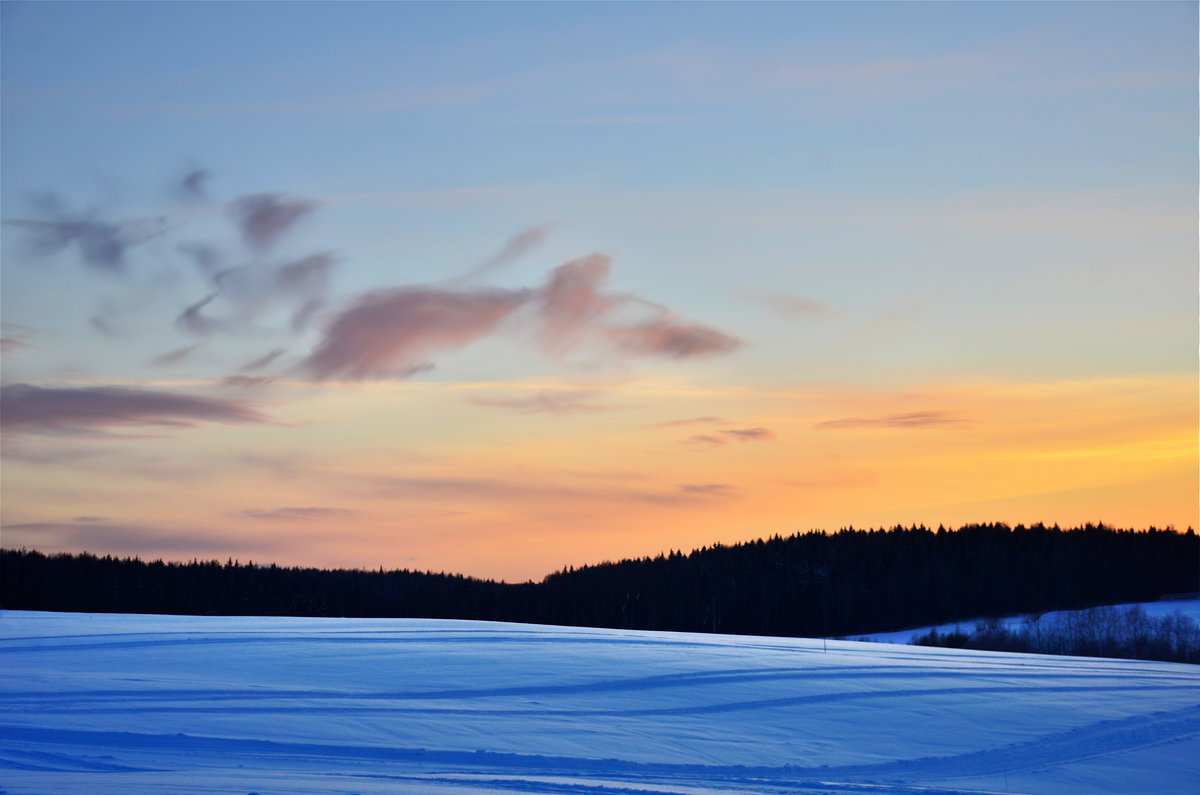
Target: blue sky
<point>844,206</point>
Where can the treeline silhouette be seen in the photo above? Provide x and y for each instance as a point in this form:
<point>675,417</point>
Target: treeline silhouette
<point>814,584</point>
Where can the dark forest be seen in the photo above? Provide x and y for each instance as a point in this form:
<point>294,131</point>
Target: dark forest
<point>814,584</point>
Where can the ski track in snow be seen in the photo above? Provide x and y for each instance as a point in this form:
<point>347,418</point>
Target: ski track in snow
<point>127,704</point>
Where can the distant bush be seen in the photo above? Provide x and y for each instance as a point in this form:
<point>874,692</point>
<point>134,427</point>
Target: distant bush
<point>1098,632</point>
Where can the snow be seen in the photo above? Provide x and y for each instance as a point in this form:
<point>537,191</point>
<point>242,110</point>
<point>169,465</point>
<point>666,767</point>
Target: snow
<point>121,704</point>
<point>1159,609</point>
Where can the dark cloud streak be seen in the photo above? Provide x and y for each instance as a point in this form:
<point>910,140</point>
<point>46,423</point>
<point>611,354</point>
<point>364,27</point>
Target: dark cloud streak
<point>263,218</point>
<point>262,362</point>
<point>672,339</point>
<point>692,421</point>
<point>172,358</point>
<point>101,245</point>
<point>916,419</point>
<point>750,434</point>
<point>193,321</point>
<point>34,409</point>
<point>192,185</point>
<point>296,514</point>
<point>547,402</point>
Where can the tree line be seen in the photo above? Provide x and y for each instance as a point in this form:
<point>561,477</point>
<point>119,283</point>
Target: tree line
<point>813,584</point>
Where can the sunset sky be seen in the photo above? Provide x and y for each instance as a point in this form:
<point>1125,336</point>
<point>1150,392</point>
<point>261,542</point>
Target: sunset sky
<point>496,289</point>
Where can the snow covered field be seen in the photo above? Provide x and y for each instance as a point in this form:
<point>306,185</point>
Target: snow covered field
<point>129,704</point>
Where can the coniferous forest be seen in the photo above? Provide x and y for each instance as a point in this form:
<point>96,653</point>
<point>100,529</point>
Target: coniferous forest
<point>813,584</point>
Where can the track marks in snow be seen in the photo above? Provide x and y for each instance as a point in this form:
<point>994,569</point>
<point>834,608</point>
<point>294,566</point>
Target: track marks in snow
<point>411,706</point>
<point>266,706</point>
<point>1096,739</point>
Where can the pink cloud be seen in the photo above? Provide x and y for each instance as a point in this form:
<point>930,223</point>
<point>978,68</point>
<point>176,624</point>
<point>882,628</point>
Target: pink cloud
<point>572,302</point>
<point>392,332</point>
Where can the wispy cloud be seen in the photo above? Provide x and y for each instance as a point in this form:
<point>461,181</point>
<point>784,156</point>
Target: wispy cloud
<point>248,292</point>
<point>192,184</point>
<point>172,358</point>
<point>13,345</point>
<point>914,419</point>
<point>692,421</point>
<point>296,514</point>
<point>788,305</point>
<point>750,434</point>
<point>517,246</point>
<point>548,402</point>
<point>262,362</point>
<point>205,255</point>
<point>673,339</point>
<point>264,217</point>
<point>100,534</point>
<point>194,321</point>
<point>709,489</point>
<point>622,120</point>
<point>529,491</point>
<point>101,245</point>
<point>247,381</point>
<point>732,434</point>
<point>35,409</point>
<point>15,336</point>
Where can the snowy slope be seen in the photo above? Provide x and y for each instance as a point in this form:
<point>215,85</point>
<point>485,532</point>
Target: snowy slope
<point>121,704</point>
<point>1187,607</point>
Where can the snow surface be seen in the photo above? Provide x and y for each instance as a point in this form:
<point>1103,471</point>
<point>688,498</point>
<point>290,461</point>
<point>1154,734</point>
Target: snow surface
<point>179,704</point>
<point>1158,609</point>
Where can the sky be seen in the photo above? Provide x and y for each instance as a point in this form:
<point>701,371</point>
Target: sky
<point>502,288</point>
